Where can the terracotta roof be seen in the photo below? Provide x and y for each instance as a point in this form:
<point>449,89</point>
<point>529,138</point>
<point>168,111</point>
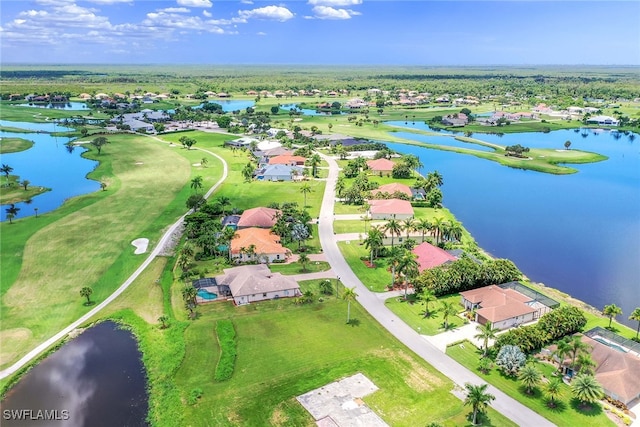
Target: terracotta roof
<point>258,217</point>
<point>286,159</point>
<point>390,206</point>
<point>265,242</point>
<point>392,188</point>
<point>380,165</point>
<point>498,304</point>
<point>616,371</point>
<point>254,279</point>
<point>430,256</point>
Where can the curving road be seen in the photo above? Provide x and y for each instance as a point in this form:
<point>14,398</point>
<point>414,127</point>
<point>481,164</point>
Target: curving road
<point>504,404</point>
<point>163,241</point>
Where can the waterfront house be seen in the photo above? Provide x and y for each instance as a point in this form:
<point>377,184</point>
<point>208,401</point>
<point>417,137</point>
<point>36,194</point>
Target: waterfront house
<point>390,208</point>
<point>386,191</point>
<point>603,120</point>
<point>380,165</point>
<point>429,256</point>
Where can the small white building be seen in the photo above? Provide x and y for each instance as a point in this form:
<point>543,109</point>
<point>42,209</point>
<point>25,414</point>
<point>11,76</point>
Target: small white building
<point>603,120</point>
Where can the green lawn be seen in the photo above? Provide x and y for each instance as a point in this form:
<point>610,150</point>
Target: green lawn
<point>412,313</point>
<point>87,241</point>
<point>343,208</point>
<point>296,268</point>
<point>12,191</point>
<point>270,371</point>
<point>13,145</point>
<point>566,414</point>
<point>376,278</point>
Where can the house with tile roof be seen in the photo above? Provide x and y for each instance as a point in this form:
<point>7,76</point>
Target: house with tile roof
<point>380,165</point>
<point>390,208</point>
<point>257,244</point>
<point>503,308</point>
<point>287,160</point>
<point>389,190</point>
<point>252,283</point>
<point>429,256</point>
<point>258,217</point>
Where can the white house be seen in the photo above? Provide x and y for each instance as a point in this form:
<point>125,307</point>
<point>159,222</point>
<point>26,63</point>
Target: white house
<point>603,120</point>
<point>251,283</point>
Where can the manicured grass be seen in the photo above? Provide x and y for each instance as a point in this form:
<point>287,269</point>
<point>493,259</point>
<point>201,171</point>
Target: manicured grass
<point>343,208</point>
<point>566,414</point>
<point>270,371</point>
<point>296,268</point>
<point>376,278</point>
<point>87,241</point>
<point>13,145</point>
<point>412,311</point>
<point>11,191</point>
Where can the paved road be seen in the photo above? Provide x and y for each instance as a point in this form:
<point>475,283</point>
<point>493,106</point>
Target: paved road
<point>504,404</point>
<point>163,241</point>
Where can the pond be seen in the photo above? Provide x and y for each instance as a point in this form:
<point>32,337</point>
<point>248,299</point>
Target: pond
<point>306,111</point>
<point>96,379</point>
<point>36,127</point>
<point>71,106</point>
<point>447,140</point>
<point>577,233</point>
<point>48,163</point>
<point>229,105</point>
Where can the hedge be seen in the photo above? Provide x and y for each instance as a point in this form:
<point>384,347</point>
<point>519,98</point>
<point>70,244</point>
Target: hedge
<point>227,341</point>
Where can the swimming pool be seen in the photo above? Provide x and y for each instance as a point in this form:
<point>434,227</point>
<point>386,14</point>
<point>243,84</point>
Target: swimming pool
<point>204,294</point>
<point>610,344</point>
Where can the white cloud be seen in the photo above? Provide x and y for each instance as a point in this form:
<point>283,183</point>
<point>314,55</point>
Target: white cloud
<point>335,2</point>
<point>327,12</point>
<point>246,2</point>
<point>195,3</point>
<point>207,14</point>
<point>277,13</point>
<point>176,10</point>
<point>110,1</point>
<point>261,33</point>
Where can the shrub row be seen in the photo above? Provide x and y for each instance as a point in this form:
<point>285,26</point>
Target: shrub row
<point>562,321</point>
<point>227,341</point>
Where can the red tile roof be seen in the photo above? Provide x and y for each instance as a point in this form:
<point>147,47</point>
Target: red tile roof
<point>265,242</point>
<point>392,188</point>
<point>430,256</point>
<point>258,217</point>
<point>380,165</point>
<point>285,159</point>
<point>390,206</point>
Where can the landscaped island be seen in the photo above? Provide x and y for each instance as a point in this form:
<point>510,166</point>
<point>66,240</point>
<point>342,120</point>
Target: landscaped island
<point>236,347</point>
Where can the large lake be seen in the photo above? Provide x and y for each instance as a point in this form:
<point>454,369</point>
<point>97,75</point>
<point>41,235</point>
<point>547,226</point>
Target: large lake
<point>49,163</point>
<point>97,378</point>
<point>579,233</point>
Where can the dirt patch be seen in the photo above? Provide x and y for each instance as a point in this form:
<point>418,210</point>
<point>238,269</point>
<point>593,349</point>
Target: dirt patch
<point>415,375</point>
<point>10,340</point>
<point>278,417</point>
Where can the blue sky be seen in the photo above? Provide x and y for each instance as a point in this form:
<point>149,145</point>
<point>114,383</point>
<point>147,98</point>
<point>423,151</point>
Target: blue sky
<point>350,32</point>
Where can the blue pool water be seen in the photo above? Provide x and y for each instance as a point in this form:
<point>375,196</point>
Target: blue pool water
<point>204,294</point>
<point>609,344</point>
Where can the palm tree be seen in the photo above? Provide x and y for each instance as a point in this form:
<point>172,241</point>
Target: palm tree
<point>223,201</point>
<point>196,183</point>
<point>562,350</point>
<point>454,231</point>
<point>164,319</point>
<point>189,294</point>
<point>395,256</point>
<point>394,227</point>
<point>326,287</point>
<point>586,389</point>
<point>448,309</point>
<point>10,217</point>
<point>576,347</point>
<point>434,179</point>
<point>25,183</point>
<point>305,189</point>
<point>478,398</point>
<point>529,376</point>
<point>635,315</point>
<point>86,292</point>
<point>349,294</point>
<point>586,364</point>
<point>228,234</point>
<point>485,333</point>
<point>373,242</point>
<point>103,185</point>
<point>340,186</point>
<point>409,225</point>
<point>6,170</point>
<point>247,172</point>
<point>203,162</point>
<point>427,296</point>
<point>439,225</point>
<point>36,211</point>
<point>408,267</point>
<point>423,225</point>
<point>314,161</point>
<point>553,390</point>
<point>567,144</point>
<point>611,311</point>
<point>303,260</point>
<point>12,212</point>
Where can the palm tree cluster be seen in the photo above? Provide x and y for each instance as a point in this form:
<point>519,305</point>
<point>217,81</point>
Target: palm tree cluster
<point>292,224</point>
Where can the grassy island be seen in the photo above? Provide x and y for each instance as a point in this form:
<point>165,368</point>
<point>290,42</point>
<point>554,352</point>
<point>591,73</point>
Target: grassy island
<point>13,145</point>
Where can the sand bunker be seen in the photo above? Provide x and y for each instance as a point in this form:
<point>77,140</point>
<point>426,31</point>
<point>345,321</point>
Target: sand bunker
<point>141,245</point>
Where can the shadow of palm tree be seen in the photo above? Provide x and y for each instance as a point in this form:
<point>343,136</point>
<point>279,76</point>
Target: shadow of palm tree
<point>590,410</point>
<point>354,322</point>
